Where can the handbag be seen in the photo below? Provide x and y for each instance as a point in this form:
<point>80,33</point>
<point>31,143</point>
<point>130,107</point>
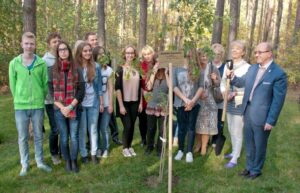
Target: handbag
<point>216,91</point>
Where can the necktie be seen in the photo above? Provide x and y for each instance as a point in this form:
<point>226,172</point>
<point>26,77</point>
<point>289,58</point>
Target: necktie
<point>259,74</point>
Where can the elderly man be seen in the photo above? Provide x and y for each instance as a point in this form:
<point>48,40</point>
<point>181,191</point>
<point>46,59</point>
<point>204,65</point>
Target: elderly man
<point>265,90</point>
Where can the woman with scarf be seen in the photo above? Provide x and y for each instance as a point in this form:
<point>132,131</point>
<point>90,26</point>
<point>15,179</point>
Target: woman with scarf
<point>67,87</point>
<point>207,120</point>
<point>234,106</point>
<point>92,103</point>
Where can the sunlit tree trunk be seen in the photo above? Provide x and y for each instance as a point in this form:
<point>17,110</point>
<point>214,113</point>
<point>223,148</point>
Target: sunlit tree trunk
<point>101,23</point>
<point>278,22</point>
<point>218,23</point>
<point>143,23</point>
<point>253,23</point>
<point>288,24</point>
<point>78,19</point>
<point>297,24</point>
<point>29,16</point>
<point>267,28</point>
<point>233,27</point>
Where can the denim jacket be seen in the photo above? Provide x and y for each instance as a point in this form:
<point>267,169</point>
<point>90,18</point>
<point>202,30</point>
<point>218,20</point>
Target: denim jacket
<point>97,84</point>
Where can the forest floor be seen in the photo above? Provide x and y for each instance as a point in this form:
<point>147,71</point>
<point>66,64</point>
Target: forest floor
<point>117,174</point>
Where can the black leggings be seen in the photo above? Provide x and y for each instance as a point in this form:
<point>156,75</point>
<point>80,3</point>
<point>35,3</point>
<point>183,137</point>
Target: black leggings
<point>128,121</point>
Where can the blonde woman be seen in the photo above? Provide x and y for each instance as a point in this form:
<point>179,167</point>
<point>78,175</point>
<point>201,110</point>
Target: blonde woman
<point>235,98</point>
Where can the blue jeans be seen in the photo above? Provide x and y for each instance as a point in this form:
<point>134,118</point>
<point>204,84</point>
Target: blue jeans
<point>186,126</point>
<point>53,137</point>
<point>103,132</point>
<point>67,127</point>
<point>23,118</point>
<point>88,121</point>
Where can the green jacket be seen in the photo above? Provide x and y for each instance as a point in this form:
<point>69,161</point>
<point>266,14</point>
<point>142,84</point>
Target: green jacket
<point>29,88</point>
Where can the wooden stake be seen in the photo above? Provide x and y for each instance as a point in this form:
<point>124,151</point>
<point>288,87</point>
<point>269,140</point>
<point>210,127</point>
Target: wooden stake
<point>170,128</point>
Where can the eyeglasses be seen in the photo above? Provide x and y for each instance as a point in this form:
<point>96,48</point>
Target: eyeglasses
<point>261,52</point>
<point>63,49</point>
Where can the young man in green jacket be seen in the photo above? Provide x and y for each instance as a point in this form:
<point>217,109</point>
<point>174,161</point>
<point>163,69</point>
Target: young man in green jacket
<point>28,81</point>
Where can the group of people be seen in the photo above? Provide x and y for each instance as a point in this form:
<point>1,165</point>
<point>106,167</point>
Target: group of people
<point>79,85</point>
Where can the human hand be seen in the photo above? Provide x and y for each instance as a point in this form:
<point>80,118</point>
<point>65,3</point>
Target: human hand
<point>122,110</point>
<point>229,73</point>
<point>268,127</point>
<point>110,109</point>
<point>213,76</point>
<point>65,111</point>
<point>140,107</point>
<point>101,109</point>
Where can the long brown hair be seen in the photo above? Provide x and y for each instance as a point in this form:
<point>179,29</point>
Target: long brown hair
<point>57,66</point>
<point>91,65</point>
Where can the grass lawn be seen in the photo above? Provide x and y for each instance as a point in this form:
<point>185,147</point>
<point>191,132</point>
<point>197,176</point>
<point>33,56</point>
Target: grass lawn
<point>121,175</point>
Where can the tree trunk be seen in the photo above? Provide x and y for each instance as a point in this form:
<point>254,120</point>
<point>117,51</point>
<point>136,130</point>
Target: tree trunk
<point>297,24</point>
<point>288,24</point>
<point>278,22</point>
<point>164,25</point>
<point>218,23</point>
<point>233,27</point>
<point>260,21</point>
<point>143,23</point>
<point>268,22</point>
<point>78,19</point>
<point>29,16</point>
<point>134,17</point>
<point>253,23</point>
<point>101,23</point>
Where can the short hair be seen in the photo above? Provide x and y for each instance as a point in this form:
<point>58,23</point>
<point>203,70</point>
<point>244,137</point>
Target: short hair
<point>218,46</point>
<point>124,51</point>
<point>53,35</point>
<point>239,43</point>
<point>88,34</point>
<point>29,35</point>
<point>147,49</point>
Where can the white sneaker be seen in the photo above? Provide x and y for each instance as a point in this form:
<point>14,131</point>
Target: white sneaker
<point>105,154</point>
<point>98,153</point>
<point>131,150</point>
<point>179,155</point>
<point>55,159</point>
<point>44,167</point>
<point>126,153</point>
<point>189,157</point>
<point>24,171</point>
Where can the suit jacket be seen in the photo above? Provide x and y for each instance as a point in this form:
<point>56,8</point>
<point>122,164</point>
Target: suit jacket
<point>268,96</point>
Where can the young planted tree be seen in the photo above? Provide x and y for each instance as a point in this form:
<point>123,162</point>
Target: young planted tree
<point>218,22</point>
<point>278,22</point>
<point>101,23</point>
<point>143,23</point>
<point>29,16</point>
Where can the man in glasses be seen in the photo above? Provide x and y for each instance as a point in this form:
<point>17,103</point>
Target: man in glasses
<point>265,90</point>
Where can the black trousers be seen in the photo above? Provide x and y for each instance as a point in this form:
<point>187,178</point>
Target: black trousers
<point>114,130</point>
<point>220,126</point>
<point>153,123</point>
<point>128,121</point>
<point>143,125</point>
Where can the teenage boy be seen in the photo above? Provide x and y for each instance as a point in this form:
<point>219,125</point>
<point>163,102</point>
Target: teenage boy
<point>28,82</point>
<point>50,58</point>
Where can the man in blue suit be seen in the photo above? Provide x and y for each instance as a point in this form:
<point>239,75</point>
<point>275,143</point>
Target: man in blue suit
<point>265,89</point>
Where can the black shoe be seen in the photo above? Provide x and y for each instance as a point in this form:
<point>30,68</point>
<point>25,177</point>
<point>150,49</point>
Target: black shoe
<point>85,160</point>
<point>117,141</point>
<point>75,166</point>
<point>253,176</point>
<point>68,166</point>
<point>245,173</point>
<point>148,150</point>
<point>94,159</point>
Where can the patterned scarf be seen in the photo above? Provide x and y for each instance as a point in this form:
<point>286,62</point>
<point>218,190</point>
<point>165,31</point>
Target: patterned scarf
<point>64,92</point>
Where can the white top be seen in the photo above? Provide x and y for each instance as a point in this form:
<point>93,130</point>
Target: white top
<point>106,74</point>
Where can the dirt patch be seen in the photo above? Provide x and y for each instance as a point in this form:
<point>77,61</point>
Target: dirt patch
<point>153,181</point>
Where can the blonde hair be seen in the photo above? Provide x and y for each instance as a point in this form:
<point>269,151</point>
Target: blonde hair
<point>219,47</point>
<point>29,35</point>
<point>239,43</point>
<point>146,49</point>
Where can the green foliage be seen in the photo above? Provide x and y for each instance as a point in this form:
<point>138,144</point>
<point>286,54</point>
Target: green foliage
<point>195,19</point>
